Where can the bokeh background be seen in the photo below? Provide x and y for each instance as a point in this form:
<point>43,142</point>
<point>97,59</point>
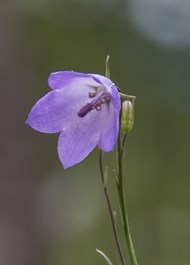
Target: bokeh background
<point>49,216</point>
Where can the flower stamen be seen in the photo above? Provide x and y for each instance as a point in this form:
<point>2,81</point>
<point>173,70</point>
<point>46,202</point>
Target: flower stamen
<point>95,104</point>
<point>97,107</point>
<point>92,94</point>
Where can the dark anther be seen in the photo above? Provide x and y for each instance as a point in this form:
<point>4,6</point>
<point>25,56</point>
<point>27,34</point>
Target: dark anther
<point>92,94</point>
<point>98,107</point>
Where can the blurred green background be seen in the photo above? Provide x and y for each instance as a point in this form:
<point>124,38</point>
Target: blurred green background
<point>49,216</point>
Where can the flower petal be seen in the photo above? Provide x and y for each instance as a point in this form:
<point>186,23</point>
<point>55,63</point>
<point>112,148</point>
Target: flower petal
<point>80,137</point>
<point>59,107</point>
<point>103,80</point>
<point>111,88</point>
<point>62,79</point>
<point>109,132</point>
<point>110,129</point>
<point>77,141</point>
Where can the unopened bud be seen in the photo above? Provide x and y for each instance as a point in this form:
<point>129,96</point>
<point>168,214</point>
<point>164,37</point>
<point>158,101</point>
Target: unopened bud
<point>127,118</point>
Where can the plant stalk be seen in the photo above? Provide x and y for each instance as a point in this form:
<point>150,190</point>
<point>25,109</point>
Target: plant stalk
<point>121,195</point>
<point>110,209</point>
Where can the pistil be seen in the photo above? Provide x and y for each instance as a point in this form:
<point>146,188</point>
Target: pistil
<point>95,104</point>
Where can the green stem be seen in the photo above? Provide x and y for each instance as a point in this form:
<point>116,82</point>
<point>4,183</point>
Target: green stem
<point>110,209</point>
<point>120,188</point>
<point>123,145</point>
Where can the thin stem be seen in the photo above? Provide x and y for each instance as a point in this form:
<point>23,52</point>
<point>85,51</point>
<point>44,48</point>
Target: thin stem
<point>123,145</point>
<point>120,188</point>
<point>110,208</point>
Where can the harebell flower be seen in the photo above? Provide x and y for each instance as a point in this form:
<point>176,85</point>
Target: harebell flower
<point>85,109</point>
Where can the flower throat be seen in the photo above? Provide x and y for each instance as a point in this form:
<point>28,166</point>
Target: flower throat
<point>95,104</point>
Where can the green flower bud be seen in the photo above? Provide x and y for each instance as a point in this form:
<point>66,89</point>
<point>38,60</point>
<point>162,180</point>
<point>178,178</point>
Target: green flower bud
<point>127,117</point>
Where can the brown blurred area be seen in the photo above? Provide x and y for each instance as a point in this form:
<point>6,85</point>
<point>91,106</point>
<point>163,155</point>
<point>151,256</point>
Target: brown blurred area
<point>19,170</point>
<point>56,217</point>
